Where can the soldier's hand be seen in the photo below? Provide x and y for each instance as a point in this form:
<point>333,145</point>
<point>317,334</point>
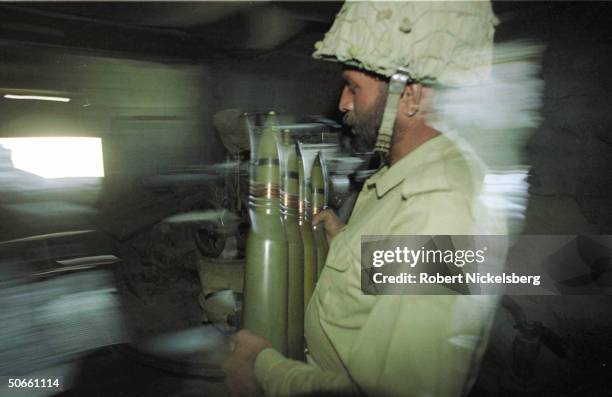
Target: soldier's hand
<point>331,223</point>
<point>247,345</point>
<point>239,367</point>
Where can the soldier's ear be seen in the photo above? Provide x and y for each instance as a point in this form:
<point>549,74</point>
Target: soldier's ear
<point>411,99</point>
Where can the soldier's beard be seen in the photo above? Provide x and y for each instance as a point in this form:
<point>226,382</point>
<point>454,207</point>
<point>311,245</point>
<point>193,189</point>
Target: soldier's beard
<point>365,126</point>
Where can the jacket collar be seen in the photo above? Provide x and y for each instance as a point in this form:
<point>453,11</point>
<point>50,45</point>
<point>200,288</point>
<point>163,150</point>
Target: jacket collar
<point>412,166</point>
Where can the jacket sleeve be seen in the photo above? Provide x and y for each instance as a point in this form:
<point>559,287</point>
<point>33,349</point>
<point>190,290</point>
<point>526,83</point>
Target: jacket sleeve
<point>280,376</point>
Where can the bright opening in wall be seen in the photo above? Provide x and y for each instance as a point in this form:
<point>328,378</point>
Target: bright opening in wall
<point>56,157</point>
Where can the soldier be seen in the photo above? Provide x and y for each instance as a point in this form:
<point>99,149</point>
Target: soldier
<point>395,56</point>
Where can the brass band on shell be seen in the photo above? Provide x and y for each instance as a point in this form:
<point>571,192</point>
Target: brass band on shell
<point>267,190</point>
<point>290,201</point>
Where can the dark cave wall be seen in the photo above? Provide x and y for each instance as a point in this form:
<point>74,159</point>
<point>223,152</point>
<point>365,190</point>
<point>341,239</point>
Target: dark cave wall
<point>571,153</point>
<point>570,188</point>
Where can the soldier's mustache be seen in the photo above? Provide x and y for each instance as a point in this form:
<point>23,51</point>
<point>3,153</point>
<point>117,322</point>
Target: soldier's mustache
<point>348,119</point>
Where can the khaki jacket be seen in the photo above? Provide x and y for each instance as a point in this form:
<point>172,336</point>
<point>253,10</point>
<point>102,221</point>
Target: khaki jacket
<point>405,345</point>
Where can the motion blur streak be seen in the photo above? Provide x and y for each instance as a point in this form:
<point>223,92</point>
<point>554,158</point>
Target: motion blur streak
<point>38,98</point>
<point>493,120</point>
<point>44,323</point>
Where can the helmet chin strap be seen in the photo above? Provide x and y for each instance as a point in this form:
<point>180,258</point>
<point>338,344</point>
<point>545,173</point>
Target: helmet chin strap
<point>397,84</point>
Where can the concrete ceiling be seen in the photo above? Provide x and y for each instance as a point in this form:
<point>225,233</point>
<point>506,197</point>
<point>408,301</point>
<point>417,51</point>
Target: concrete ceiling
<point>220,25</point>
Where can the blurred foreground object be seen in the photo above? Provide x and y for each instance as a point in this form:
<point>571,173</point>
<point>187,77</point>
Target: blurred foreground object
<point>55,303</point>
<point>492,121</point>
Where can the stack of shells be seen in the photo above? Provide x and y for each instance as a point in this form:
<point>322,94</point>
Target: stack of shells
<point>285,253</point>
<point>265,308</point>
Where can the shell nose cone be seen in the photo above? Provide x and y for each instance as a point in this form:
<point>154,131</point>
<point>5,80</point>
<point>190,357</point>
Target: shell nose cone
<point>271,119</point>
<point>268,145</point>
<point>268,170</point>
<point>316,175</point>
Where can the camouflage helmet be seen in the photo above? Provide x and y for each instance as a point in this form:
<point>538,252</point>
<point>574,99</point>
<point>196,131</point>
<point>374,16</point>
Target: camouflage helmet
<point>431,42</point>
<point>443,42</point>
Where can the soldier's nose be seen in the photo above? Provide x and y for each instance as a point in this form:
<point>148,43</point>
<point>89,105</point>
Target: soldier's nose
<point>346,100</point>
